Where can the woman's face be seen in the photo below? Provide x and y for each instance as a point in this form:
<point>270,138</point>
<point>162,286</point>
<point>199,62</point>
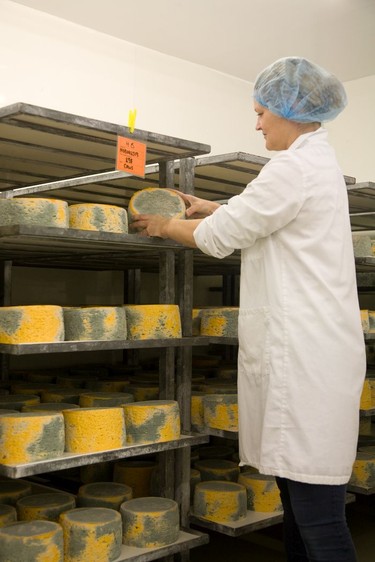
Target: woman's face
<point>279,133</point>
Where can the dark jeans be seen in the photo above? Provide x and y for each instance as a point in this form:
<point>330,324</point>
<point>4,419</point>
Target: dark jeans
<point>315,528</point>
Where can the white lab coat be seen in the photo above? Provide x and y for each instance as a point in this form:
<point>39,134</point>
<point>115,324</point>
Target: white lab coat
<point>301,362</point>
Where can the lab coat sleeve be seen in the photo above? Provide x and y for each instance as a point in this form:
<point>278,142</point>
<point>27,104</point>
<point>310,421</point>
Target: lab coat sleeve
<point>268,203</point>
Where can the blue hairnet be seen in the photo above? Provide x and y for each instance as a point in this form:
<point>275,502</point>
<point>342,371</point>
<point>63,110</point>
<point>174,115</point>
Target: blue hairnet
<point>299,90</point>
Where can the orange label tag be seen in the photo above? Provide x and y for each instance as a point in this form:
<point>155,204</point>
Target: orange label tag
<point>131,156</point>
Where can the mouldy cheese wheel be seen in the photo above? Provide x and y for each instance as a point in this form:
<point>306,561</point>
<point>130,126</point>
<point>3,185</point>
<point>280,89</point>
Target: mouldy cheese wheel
<point>218,386</point>
<point>89,430</point>
<point>8,515</point>
<point>70,395</point>
<point>152,321</point>
<point>156,200</point>
<point>47,506</point>
<point>366,400</point>
<point>262,492</point>
<point>220,501</point>
<point>49,407</point>
<point>39,541</point>
<point>91,534</point>
<point>197,411</point>
<point>221,411</point>
<point>363,473</point>
<point>153,421</point>
<point>150,522</point>
<point>98,472</point>
<point>104,399</point>
<point>365,319</point>
<point>95,323</point>
<point>137,474</point>
<point>17,401</point>
<point>221,322</point>
<point>31,324</point>
<point>31,436</point>
<point>34,211</point>
<point>94,216</point>
<point>217,469</point>
<point>143,393</point>
<point>362,245</point>
<point>103,494</point>
<point>371,315</point>
<point>13,490</point>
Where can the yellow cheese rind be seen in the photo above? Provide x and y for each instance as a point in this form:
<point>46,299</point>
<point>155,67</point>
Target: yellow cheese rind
<point>95,323</point>
<point>156,200</point>
<point>363,473</point>
<point>262,492</point>
<point>31,324</point>
<point>8,514</point>
<point>152,421</point>
<point>90,430</point>
<point>366,395</point>
<point>37,541</point>
<point>221,411</point>
<point>104,494</point>
<point>95,216</point>
<point>220,501</point>
<point>34,211</point>
<point>13,490</point>
<point>220,322</point>
<point>135,473</point>
<point>217,469</point>
<point>104,399</point>
<point>153,321</point>
<point>46,506</point>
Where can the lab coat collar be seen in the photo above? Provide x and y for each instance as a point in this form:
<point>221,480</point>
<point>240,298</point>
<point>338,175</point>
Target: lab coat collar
<point>305,137</point>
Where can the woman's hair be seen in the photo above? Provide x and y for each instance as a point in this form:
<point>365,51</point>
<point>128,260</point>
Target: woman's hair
<point>299,90</point>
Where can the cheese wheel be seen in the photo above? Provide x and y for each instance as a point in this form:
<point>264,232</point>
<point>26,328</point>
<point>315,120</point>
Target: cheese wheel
<point>222,322</point>
<point>34,388</point>
<point>49,407</point>
<point>153,421</point>
<point>13,490</point>
<point>150,522</point>
<point>110,385</point>
<point>34,211</point>
<point>218,386</point>
<point>8,514</point>
<point>91,534</point>
<point>104,399</point>
<point>95,323</point>
<point>153,321</point>
<point>90,430</point>
<point>362,245</point>
<point>217,469</point>
<point>39,541</point>
<point>363,473</point>
<point>137,474</point>
<point>46,506</point>
<point>262,492</point>
<point>366,395</point>
<point>31,436</point>
<point>70,395</point>
<point>142,393</point>
<point>74,381</point>
<point>156,200</point>
<point>99,217</point>
<point>31,324</point>
<point>221,411</point>
<point>17,401</point>
<point>98,472</point>
<point>220,501</point>
<point>103,494</point>
<point>197,411</point>
<point>365,319</point>
<point>371,315</point>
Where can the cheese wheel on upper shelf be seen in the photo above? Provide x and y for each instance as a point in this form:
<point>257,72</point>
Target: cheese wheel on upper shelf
<point>262,492</point>
<point>153,321</point>
<point>220,501</point>
<point>153,421</point>
<point>34,211</point>
<point>104,399</point>
<point>99,217</point>
<point>13,490</point>
<point>46,506</point>
<point>363,473</point>
<point>90,430</point>
<point>31,324</point>
<point>221,411</point>
<point>156,200</point>
<point>135,473</point>
<point>95,323</point>
<point>220,322</point>
<point>31,436</point>
<point>39,541</point>
<point>217,469</point>
<point>91,534</point>
<point>104,494</point>
<point>8,514</point>
<point>150,522</point>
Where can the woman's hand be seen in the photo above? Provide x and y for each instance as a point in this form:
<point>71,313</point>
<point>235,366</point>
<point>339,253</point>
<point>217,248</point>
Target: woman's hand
<point>150,225</point>
<point>198,208</point>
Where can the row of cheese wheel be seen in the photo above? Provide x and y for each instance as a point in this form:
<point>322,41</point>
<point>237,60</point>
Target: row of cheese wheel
<point>33,436</point>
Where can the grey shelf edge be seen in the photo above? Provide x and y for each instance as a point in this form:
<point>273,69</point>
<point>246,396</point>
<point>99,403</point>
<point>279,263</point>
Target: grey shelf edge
<point>221,433</point>
<point>70,460</point>
<point>363,490</point>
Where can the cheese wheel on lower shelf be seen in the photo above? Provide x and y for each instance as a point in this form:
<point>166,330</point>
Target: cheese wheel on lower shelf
<point>104,399</point>
<point>262,492</point>
<point>137,474</point>
<point>90,430</point>
<point>49,407</point>
<point>220,322</point>
<point>150,522</point>
<point>17,401</point>
<point>220,501</point>
<point>91,534</point>
<point>156,200</point>
<point>8,515</point>
<point>217,469</point>
<point>110,385</point>
<point>103,494</point>
<point>39,541</point>
<point>95,323</point>
<point>13,490</point>
<point>142,393</point>
<point>31,324</point>
<point>46,506</point>
<point>363,473</point>
<point>99,217</point>
<point>153,321</point>
<point>34,211</point>
<point>70,395</point>
<point>221,411</point>
<point>153,421</point>
<point>31,436</point>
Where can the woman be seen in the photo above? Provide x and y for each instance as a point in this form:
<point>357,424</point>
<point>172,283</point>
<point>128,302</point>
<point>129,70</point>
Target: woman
<point>301,362</point>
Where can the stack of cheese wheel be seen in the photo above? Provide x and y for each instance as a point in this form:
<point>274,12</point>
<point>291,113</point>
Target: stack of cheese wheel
<point>17,401</point>
<point>95,323</point>
<point>150,522</point>
<point>32,540</point>
<point>91,533</point>
<point>363,474</point>
<point>152,321</point>
<point>34,211</point>
<point>13,490</point>
<point>103,494</point>
<point>95,216</point>
<point>220,322</point>
<point>31,436</point>
<point>152,421</point>
<point>46,506</point>
<point>8,514</point>
<point>90,430</point>
<point>221,411</point>
<point>217,469</point>
<point>262,492</point>
<point>220,501</point>
<point>136,474</point>
<point>70,395</point>
<point>156,200</point>
<point>104,399</point>
<point>31,324</point>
